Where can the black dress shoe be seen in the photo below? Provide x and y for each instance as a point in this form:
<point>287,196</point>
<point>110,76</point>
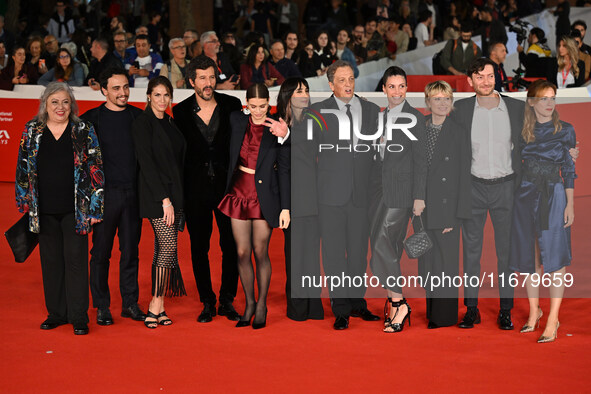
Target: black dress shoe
<point>341,323</point>
<point>207,313</point>
<point>228,310</point>
<point>365,314</point>
<point>134,312</point>
<point>504,320</point>
<point>80,329</point>
<point>50,324</point>
<point>103,317</point>
<point>471,317</point>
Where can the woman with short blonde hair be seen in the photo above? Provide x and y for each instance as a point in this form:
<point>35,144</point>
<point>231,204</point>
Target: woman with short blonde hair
<point>448,201</point>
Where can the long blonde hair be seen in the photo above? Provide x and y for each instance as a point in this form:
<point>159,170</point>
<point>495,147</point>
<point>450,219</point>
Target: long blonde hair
<point>573,54</point>
<point>536,89</point>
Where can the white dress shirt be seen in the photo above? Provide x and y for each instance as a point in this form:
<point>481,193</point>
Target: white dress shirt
<point>491,141</point>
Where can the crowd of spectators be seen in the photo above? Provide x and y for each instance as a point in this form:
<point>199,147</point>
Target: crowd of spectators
<point>261,41</point>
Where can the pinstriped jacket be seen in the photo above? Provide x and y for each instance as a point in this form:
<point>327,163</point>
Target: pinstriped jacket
<point>88,175</point>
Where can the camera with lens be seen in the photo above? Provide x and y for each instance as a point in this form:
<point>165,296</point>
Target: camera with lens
<point>520,28</point>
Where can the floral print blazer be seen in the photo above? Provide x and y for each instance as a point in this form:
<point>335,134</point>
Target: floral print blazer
<point>88,174</point>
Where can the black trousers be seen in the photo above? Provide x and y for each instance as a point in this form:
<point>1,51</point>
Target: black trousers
<point>344,233</point>
<point>64,267</point>
<point>200,225</point>
<point>442,258</point>
<point>302,258</point>
<point>497,200</point>
<point>121,217</point>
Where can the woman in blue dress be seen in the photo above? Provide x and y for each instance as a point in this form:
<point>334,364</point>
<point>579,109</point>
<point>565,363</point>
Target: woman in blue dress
<point>544,209</point>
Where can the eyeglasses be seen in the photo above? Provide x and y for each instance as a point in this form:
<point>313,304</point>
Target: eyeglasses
<point>180,47</point>
<point>64,57</point>
<point>212,41</point>
<point>119,41</point>
<point>49,41</point>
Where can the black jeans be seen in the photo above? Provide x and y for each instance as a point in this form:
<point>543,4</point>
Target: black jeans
<point>121,217</point>
<point>64,266</point>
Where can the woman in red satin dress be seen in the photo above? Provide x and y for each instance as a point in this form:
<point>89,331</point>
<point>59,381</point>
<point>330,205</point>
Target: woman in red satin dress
<point>257,197</point>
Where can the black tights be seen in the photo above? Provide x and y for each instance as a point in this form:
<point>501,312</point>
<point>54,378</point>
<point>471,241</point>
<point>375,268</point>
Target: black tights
<point>253,236</point>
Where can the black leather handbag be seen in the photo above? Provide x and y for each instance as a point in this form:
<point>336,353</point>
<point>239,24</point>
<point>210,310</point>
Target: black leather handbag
<point>417,244</point>
<point>21,240</point>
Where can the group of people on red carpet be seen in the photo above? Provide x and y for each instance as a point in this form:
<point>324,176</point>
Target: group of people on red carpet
<point>307,172</point>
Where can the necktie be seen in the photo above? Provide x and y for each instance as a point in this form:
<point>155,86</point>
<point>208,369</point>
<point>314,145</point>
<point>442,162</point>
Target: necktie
<point>350,116</point>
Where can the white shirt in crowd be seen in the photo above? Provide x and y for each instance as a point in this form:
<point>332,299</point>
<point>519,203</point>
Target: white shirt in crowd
<point>422,34</point>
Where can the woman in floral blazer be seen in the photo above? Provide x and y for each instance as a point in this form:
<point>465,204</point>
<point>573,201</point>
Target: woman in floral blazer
<point>59,182</point>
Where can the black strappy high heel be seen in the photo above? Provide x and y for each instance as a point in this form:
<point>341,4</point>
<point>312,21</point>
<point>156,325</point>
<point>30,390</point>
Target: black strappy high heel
<point>397,327</point>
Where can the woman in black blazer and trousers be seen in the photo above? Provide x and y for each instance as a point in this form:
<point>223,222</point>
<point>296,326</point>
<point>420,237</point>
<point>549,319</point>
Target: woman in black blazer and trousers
<point>257,197</point>
<point>160,150</point>
<point>448,201</point>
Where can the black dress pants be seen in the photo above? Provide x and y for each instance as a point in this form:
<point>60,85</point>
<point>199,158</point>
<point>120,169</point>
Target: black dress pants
<point>199,218</point>
<point>121,217</point>
<point>344,233</point>
<point>497,200</point>
<point>442,259</point>
<point>64,267</point>
<point>302,258</point>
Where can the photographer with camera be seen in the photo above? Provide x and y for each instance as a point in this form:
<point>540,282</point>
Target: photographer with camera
<point>537,50</point>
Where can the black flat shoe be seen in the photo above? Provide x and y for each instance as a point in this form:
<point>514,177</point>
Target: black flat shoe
<point>50,324</point>
<point>151,323</point>
<point>228,310</point>
<point>432,325</point>
<point>471,317</point>
<point>207,314</point>
<point>80,329</point>
<point>504,320</point>
<point>365,314</point>
<point>134,312</point>
<point>341,323</point>
<point>104,317</point>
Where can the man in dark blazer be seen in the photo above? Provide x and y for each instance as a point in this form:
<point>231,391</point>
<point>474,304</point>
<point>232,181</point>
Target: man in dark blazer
<point>494,123</point>
<point>344,166</point>
<point>204,119</point>
<point>112,121</point>
<point>398,188</point>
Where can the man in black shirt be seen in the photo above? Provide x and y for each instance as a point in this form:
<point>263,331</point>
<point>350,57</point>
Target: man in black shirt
<point>112,122</point>
<point>285,66</point>
<point>203,119</point>
<point>103,59</point>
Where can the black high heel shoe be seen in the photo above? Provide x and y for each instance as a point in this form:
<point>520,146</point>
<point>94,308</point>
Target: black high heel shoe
<point>387,318</point>
<point>397,327</point>
<point>256,326</point>
<point>244,323</point>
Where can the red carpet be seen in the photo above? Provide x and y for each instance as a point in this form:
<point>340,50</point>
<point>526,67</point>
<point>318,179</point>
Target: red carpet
<point>286,356</point>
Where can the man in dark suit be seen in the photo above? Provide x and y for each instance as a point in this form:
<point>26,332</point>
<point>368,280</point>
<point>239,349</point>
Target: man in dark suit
<point>204,119</point>
<point>494,122</point>
<point>112,122</point>
<point>398,186</point>
<point>343,177</point>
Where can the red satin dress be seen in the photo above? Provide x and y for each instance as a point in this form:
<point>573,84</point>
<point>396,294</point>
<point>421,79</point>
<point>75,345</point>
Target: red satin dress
<point>242,201</point>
